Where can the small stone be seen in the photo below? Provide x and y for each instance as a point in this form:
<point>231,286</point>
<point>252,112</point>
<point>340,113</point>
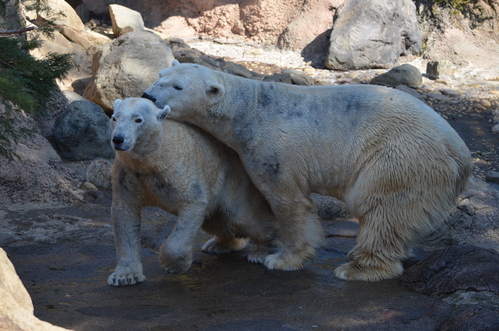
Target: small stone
<point>492,176</point>
<point>89,186</point>
<point>495,128</point>
<point>254,51</point>
<point>494,92</point>
<point>353,75</point>
<point>450,92</point>
<point>405,74</point>
<point>309,70</point>
<point>486,103</point>
<point>442,81</point>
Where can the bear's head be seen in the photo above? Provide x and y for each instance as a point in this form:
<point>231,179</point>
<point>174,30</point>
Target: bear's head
<point>136,125</point>
<point>189,89</point>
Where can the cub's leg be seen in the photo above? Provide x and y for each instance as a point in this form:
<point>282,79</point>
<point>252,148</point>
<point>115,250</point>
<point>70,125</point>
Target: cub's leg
<point>126,221</point>
<point>175,254</point>
<point>300,231</point>
<point>382,242</point>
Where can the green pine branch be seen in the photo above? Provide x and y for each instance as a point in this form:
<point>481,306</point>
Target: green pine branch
<point>26,83</point>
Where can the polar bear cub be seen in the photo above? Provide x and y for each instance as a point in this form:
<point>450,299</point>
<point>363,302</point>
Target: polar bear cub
<point>185,171</point>
<point>395,162</point>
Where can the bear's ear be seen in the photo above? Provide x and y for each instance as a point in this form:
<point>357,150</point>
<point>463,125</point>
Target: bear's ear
<point>215,93</point>
<point>116,103</point>
<point>175,62</point>
<point>163,113</point>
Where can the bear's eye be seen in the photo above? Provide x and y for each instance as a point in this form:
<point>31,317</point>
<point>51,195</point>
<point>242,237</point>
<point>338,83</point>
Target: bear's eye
<point>177,87</point>
<point>138,120</point>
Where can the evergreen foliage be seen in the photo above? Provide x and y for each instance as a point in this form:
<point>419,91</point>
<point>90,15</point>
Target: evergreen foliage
<point>26,83</point>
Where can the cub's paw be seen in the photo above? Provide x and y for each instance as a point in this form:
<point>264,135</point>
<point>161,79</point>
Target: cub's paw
<point>355,271</point>
<point>217,246</point>
<point>122,279</point>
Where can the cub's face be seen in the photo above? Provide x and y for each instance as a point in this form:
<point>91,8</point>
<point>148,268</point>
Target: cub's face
<point>189,89</point>
<point>134,120</point>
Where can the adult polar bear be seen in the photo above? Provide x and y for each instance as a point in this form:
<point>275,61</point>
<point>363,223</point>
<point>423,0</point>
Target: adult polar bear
<point>396,164</point>
<point>185,171</point>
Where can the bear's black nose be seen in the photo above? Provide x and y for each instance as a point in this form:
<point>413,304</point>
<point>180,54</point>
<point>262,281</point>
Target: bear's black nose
<point>118,140</point>
<point>150,97</point>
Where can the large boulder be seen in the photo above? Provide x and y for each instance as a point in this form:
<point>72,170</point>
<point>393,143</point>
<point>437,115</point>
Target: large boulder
<point>125,20</point>
<point>82,132</point>
<point>373,34</point>
<point>16,308</point>
<point>127,67</point>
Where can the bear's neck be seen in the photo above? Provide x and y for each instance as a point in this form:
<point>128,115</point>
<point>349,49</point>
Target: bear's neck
<point>229,118</point>
<point>148,148</point>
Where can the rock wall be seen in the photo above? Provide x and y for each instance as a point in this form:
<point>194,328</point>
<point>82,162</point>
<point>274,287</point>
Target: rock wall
<point>289,23</point>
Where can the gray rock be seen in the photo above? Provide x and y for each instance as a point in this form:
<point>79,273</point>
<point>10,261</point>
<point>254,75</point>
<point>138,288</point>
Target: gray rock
<point>82,132</point>
<point>473,222</point>
<point>492,176</point>
<point>99,174</point>
<point>280,78</point>
<point>127,67</point>
<point>72,96</point>
<point>405,74</point>
<point>299,77</point>
<point>125,20</point>
<point>454,269</point>
<point>450,92</point>
<point>471,317</point>
<point>437,69</point>
<point>373,34</point>
<point>410,91</point>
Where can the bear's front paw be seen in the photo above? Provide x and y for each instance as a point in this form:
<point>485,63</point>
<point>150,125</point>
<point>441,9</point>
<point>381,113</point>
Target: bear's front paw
<point>175,262</point>
<point>122,279</point>
<point>356,271</point>
<point>216,246</point>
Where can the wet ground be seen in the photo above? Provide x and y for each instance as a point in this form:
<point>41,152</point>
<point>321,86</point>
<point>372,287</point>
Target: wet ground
<point>65,270</point>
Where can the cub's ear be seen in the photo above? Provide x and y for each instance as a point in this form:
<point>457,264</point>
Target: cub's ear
<point>215,93</point>
<point>116,103</point>
<point>163,113</point>
<point>175,62</point>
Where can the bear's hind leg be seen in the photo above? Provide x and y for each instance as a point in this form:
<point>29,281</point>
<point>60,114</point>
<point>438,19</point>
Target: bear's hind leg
<point>382,242</point>
<point>300,232</point>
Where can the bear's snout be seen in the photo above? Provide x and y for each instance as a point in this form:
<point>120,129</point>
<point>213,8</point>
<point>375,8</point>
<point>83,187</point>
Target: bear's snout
<point>148,96</point>
<point>117,142</point>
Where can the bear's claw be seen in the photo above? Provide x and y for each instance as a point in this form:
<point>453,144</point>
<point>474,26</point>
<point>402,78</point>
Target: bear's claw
<point>125,279</point>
